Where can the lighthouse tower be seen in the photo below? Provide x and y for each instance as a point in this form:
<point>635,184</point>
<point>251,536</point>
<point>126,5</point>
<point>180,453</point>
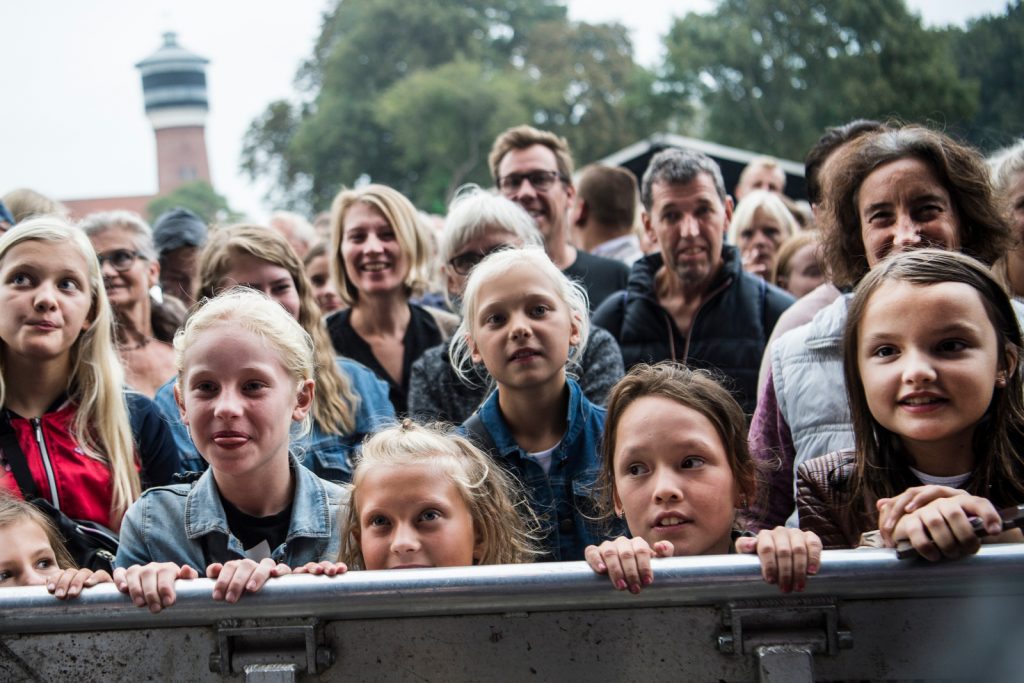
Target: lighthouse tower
<point>174,86</point>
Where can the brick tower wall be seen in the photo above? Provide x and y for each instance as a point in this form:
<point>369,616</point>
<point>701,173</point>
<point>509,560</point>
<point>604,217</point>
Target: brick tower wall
<point>181,157</point>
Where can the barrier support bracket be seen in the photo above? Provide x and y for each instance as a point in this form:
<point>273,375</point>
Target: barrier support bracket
<point>268,651</point>
<point>784,636</point>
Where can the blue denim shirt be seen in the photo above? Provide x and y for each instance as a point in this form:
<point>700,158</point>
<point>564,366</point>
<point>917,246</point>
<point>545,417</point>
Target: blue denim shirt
<point>563,498</point>
<point>186,524</point>
<point>329,456</point>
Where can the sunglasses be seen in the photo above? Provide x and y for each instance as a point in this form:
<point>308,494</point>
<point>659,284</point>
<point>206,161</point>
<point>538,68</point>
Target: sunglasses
<point>120,259</point>
<point>468,260</point>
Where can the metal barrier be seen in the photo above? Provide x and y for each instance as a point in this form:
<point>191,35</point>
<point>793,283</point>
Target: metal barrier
<point>865,616</point>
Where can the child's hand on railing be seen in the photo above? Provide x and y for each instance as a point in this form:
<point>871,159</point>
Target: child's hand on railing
<point>788,556</point>
<point>627,561</point>
<point>324,568</point>
<point>70,582</point>
<point>237,577</point>
<point>890,510</point>
<point>152,585</point>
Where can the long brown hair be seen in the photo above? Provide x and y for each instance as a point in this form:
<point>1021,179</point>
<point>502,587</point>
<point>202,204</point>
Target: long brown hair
<point>881,469</point>
<point>335,405</point>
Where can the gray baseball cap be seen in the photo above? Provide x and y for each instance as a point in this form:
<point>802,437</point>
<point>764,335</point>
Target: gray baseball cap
<point>176,228</point>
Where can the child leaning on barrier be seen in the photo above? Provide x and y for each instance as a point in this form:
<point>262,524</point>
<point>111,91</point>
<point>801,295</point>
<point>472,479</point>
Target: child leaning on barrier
<point>424,497</point>
<point>245,374</point>
<point>33,554</point>
<point>677,469</point>
<point>932,357</point>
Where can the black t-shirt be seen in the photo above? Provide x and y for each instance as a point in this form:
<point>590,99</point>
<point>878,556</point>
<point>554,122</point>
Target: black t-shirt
<point>422,334</point>
<point>252,531</point>
<point>600,276</point>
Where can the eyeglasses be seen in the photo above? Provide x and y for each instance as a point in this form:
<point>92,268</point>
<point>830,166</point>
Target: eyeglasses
<point>539,180</point>
<point>120,259</point>
<point>467,261</point>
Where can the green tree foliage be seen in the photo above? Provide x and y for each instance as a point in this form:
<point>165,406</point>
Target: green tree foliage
<point>583,84</point>
<point>990,52</point>
<point>772,74</point>
<point>200,198</point>
<point>443,122</point>
<point>413,94</point>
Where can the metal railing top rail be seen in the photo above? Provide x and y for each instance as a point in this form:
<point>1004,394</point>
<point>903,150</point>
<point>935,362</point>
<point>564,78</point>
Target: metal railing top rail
<point>846,574</point>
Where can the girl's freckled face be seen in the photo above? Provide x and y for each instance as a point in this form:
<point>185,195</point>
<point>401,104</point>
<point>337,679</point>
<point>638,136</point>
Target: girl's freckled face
<point>521,329</point>
<point>413,516</point>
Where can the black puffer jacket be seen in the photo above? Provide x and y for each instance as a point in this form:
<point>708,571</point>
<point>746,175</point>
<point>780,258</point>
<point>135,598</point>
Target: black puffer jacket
<point>728,334</point>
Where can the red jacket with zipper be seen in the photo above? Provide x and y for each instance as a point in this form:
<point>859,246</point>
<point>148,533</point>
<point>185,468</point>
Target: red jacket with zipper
<point>82,485</point>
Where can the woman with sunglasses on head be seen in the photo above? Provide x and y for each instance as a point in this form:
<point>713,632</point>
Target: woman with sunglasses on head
<point>145,327</point>
<point>478,224</point>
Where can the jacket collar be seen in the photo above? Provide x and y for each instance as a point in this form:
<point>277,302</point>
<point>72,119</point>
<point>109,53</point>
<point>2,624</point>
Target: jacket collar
<point>311,515</point>
<point>494,421</point>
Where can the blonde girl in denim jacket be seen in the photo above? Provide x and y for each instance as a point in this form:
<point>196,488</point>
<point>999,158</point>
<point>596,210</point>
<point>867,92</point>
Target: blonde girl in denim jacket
<point>245,374</point>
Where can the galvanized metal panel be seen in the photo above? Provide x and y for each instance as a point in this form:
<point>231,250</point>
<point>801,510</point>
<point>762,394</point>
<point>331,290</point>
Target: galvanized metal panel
<point>549,622</point>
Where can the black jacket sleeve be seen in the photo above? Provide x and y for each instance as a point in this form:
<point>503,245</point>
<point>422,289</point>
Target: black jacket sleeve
<point>153,441</point>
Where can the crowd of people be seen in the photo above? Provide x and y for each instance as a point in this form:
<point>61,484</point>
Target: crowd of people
<point>564,367</point>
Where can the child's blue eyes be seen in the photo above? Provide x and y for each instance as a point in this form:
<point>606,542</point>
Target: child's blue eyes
<point>211,388</point>
<point>23,280</point>
<point>430,516</point>
<point>425,516</point>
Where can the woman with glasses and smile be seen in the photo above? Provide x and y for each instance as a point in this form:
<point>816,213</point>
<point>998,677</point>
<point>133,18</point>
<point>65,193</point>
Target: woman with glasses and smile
<point>479,224</point>
<point>145,327</point>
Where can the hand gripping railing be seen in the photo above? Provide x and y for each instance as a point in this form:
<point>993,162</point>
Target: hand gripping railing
<point>865,615</point>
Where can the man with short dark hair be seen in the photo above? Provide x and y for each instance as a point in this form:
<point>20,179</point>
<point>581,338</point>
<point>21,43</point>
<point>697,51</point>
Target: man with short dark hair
<point>603,215</point>
<point>534,169</point>
<point>692,301</point>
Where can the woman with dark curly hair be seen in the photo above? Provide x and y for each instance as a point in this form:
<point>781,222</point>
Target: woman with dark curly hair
<point>885,193</point>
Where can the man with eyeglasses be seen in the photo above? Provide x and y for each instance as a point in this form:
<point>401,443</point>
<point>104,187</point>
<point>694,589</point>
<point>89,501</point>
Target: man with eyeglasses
<point>534,169</point>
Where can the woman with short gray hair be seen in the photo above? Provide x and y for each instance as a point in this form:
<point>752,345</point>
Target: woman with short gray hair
<point>144,326</point>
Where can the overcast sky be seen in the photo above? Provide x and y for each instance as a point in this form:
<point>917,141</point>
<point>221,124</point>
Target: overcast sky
<point>73,124</point>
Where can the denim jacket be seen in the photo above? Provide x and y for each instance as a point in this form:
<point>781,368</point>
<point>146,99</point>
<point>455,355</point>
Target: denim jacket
<point>186,524</point>
<point>563,498</point>
<point>329,456</point>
